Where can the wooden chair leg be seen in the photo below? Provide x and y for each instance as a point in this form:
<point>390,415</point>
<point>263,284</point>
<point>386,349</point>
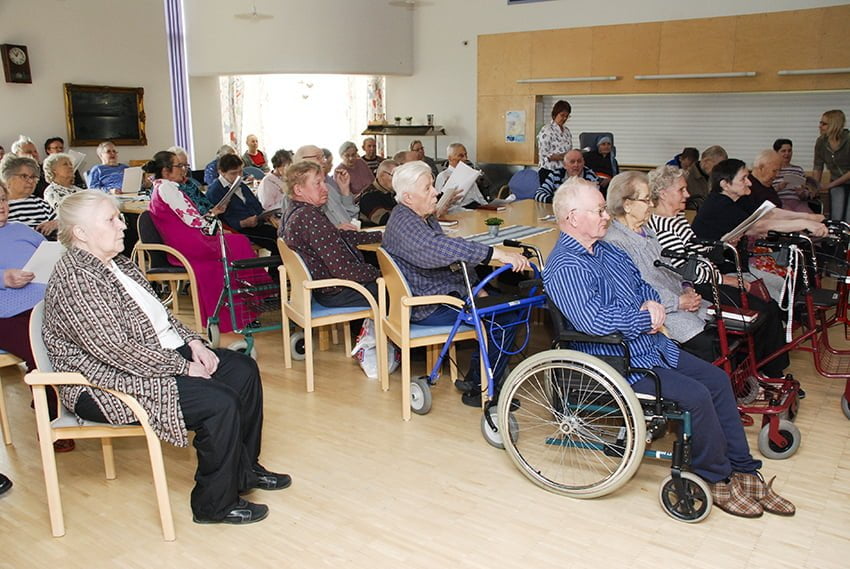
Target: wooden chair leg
<point>175,296</point>
<point>346,336</point>
<point>405,383</point>
<point>335,334</point>
<point>161,486</point>
<point>324,339</point>
<point>453,363</point>
<point>108,458</point>
<point>48,462</point>
<point>308,353</point>
<point>4,417</point>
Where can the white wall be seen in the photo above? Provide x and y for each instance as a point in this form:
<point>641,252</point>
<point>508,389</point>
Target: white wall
<point>85,42</point>
<point>444,72</point>
<point>315,36</point>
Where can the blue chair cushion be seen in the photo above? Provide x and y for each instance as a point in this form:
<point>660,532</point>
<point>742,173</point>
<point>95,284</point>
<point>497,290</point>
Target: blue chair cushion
<point>420,330</point>
<point>524,184</point>
<point>317,310</point>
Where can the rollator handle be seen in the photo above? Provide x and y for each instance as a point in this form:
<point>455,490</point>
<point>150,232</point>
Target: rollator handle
<point>513,243</point>
<point>706,242</point>
<point>673,254</point>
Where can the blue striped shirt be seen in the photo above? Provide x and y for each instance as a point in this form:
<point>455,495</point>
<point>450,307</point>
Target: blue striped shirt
<point>553,181</point>
<point>601,293</point>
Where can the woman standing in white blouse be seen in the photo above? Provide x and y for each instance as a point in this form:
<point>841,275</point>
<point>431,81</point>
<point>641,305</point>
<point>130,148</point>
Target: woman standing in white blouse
<point>554,140</point>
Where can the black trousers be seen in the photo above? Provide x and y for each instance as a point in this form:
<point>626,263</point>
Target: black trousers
<point>226,413</point>
<point>263,235</point>
<point>770,336</point>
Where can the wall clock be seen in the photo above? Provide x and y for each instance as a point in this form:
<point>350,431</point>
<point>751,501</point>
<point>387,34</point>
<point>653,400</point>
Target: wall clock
<point>16,63</point>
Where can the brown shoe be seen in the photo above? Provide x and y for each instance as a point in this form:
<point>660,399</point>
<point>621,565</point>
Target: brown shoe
<point>730,497</point>
<point>754,486</point>
<point>64,445</point>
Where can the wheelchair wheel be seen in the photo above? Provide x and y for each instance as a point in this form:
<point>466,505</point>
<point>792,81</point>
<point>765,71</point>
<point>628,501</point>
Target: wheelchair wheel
<point>296,345</point>
<point>579,430</point>
<point>770,449</point>
<point>845,407</point>
<point>242,346</point>
<point>420,395</point>
<point>494,437</point>
<point>214,334</point>
<point>693,505</point>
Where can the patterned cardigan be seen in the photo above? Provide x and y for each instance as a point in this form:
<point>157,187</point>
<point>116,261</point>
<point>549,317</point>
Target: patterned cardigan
<point>93,327</point>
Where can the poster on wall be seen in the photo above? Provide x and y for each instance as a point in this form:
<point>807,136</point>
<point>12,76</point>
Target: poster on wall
<point>515,126</point>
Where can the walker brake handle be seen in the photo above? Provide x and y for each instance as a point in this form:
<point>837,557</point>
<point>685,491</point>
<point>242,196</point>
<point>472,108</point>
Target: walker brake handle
<point>527,250</point>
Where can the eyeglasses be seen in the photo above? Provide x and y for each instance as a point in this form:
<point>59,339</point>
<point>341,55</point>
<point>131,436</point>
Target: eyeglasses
<point>182,165</point>
<point>599,211</point>
<point>120,217</point>
<point>647,201</point>
<point>26,177</point>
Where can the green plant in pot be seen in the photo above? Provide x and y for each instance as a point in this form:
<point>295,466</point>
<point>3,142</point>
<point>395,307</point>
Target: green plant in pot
<point>493,224</point>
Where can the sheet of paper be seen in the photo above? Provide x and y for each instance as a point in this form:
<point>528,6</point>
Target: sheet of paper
<point>132,181</point>
<point>462,179</point>
<point>745,225</point>
<point>77,158</point>
<point>225,199</point>
<point>44,259</point>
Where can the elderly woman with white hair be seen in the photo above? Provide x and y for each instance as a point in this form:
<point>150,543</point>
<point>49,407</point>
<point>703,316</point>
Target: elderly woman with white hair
<point>20,174</point>
<point>59,173</point>
<point>415,240</point>
<point>359,174</point>
<point>109,174</point>
<point>102,319</point>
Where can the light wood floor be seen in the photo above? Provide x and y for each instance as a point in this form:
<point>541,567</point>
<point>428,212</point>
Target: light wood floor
<point>372,491</point>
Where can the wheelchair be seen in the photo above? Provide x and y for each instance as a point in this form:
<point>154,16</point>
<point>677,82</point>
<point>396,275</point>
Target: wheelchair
<point>573,425</point>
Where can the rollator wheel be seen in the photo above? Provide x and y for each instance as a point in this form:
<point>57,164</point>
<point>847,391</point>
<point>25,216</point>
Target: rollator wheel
<point>214,334</point>
<point>493,437</point>
<point>845,407</point>
<point>242,346</point>
<point>296,345</point>
<point>691,507</point>
<point>770,449</point>
<point>582,428</point>
<point>420,395</point>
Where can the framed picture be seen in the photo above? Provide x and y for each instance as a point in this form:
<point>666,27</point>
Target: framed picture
<point>96,113</point>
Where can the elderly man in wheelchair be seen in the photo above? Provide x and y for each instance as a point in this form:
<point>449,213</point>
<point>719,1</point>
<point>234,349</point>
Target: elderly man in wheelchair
<point>600,291</point>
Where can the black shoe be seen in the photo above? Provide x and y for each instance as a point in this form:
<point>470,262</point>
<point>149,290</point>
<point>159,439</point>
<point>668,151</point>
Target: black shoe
<point>800,393</point>
<point>467,385</point>
<point>267,480</point>
<point>472,399</point>
<point>244,512</point>
<point>5,484</point>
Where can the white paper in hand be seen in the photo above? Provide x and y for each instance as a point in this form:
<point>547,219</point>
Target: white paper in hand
<point>43,260</point>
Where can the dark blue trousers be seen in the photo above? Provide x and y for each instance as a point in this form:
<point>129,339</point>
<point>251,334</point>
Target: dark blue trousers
<point>446,315</point>
<point>719,444</point>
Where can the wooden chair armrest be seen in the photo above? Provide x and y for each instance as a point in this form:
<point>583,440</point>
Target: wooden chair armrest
<point>164,248</point>
<point>55,378</point>
<point>432,299</point>
<point>312,285</point>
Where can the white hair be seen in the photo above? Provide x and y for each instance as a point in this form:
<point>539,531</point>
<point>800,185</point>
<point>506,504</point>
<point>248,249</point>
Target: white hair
<point>407,175</point>
<point>19,143</point>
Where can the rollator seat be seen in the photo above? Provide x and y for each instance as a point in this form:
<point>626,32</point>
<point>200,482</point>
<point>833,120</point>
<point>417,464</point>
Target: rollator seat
<point>256,262</point>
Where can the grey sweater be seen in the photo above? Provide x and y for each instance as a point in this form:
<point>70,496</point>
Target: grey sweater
<point>644,251</point>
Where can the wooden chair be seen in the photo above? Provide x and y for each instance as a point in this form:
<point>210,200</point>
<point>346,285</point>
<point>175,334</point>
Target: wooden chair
<point>396,325</point>
<point>6,360</point>
<point>67,426</point>
<point>150,254</point>
<point>300,307</point>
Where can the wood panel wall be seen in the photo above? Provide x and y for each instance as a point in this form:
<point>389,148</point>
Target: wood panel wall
<point>764,43</point>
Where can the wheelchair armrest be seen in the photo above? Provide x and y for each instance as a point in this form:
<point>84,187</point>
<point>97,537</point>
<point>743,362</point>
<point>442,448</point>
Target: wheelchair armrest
<point>615,339</point>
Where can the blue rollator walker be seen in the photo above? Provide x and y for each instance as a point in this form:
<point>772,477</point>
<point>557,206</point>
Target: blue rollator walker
<point>573,425</point>
<point>246,303</point>
<point>480,313</point>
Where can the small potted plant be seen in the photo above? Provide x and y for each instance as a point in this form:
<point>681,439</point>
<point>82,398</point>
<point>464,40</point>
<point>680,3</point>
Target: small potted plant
<point>398,121</point>
<point>409,120</point>
<point>493,224</point>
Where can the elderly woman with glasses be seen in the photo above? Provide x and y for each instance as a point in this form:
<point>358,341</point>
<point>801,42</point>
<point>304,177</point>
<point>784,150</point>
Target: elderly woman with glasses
<point>59,173</point>
<point>359,174</point>
<point>182,226</point>
<point>102,319</point>
<point>20,174</point>
<point>630,206</point>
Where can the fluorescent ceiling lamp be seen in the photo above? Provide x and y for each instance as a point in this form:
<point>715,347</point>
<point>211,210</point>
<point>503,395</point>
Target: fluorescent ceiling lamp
<point>825,71</point>
<point>698,75</point>
<point>569,79</point>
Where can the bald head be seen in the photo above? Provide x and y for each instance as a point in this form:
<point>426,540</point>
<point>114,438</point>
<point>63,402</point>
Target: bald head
<point>766,166</point>
<point>310,153</point>
<point>405,156</point>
